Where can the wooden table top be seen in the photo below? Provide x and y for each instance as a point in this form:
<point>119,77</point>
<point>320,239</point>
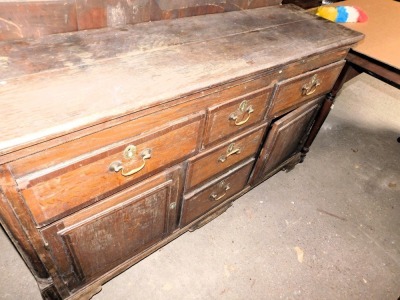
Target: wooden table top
<point>382,30</point>
<point>62,83</point>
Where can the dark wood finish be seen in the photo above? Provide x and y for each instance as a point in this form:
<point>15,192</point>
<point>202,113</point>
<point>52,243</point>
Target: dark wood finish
<point>91,14</point>
<point>362,63</point>
<point>50,293</point>
<point>220,123</point>
<point>74,146</point>
<point>140,79</point>
<point>20,19</point>
<point>35,241</point>
<point>20,239</point>
<point>27,19</point>
<point>165,9</point>
<point>211,217</point>
<point>94,287</point>
<point>304,3</point>
<point>71,103</point>
<point>216,160</point>
<point>208,196</point>
<point>324,111</point>
<point>285,139</point>
<point>71,145</point>
<point>290,93</point>
<point>53,193</point>
<point>99,238</point>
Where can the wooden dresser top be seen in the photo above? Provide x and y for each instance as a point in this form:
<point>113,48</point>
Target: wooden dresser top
<point>62,83</point>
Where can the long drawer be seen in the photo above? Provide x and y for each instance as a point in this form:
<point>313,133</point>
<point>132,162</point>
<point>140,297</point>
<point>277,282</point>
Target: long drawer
<point>56,192</point>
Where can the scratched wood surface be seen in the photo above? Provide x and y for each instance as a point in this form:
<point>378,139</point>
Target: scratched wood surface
<point>104,235</point>
<point>66,82</point>
<point>284,139</point>
<point>33,18</point>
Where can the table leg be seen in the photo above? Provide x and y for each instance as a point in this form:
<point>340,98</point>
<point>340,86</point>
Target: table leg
<point>325,109</point>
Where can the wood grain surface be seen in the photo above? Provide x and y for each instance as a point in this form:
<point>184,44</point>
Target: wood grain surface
<point>33,19</point>
<point>284,139</point>
<point>289,93</point>
<point>26,19</point>
<point>219,123</point>
<point>121,226</point>
<point>60,84</point>
<point>53,195</point>
<point>200,201</point>
<point>208,164</point>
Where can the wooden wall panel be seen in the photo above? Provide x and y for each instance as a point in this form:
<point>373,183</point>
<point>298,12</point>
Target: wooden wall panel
<point>232,5</point>
<point>111,13</point>
<point>20,19</point>
<point>91,14</point>
<point>166,9</point>
<point>34,19</point>
<point>122,12</point>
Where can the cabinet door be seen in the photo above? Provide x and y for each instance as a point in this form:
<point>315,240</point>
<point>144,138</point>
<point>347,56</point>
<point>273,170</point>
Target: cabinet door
<point>284,139</point>
<point>99,238</point>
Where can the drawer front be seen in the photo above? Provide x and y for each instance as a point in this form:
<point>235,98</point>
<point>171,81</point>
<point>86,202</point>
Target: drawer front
<point>215,192</point>
<point>54,194</point>
<point>98,238</point>
<point>235,115</point>
<point>214,161</point>
<point>295,91</point>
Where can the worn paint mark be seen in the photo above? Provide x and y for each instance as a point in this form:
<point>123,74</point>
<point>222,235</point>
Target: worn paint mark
<point>14,25</point>
<point>216,5</point>
<point>135,10</point>
<point>331,214</point>
<point>116,15</point>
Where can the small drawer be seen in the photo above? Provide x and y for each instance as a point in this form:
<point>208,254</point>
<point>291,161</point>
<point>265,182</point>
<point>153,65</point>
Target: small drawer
<point>200,201</point>
<point>293,92</point>
<point>235,115</point>
<point>56,192</point>
<point>214,161</point>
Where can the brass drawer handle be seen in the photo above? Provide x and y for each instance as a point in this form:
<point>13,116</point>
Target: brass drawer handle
<point>221,186</point>
<point>244,108</point>
<point>214,196</point>
<point>311,87</point>
<point>129,154</point>
<point>230,151</point>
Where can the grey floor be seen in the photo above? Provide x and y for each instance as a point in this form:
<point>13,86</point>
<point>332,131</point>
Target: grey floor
<point>330,229</point>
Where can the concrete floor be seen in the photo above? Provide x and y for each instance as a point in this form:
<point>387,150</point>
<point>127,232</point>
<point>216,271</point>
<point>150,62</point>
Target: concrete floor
<point>329,229</point>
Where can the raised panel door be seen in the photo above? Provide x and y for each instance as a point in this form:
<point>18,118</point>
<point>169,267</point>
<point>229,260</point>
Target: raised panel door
<point>95,240</point>
<point>284,139</point>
